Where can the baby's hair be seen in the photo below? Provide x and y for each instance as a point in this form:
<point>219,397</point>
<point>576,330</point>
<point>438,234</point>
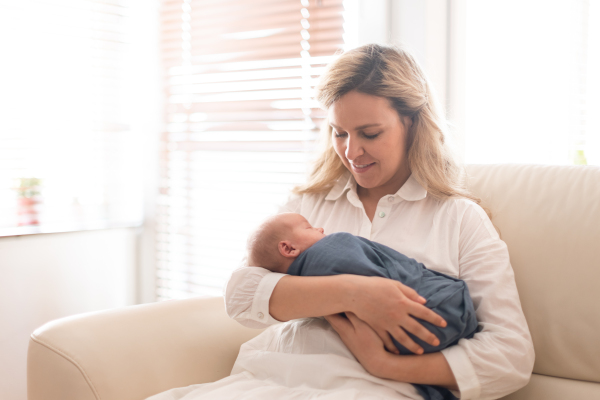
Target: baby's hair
<point>262,244</point>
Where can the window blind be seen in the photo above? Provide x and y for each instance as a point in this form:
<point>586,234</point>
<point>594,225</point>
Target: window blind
<point>241,121</point>
<point>64,113</point>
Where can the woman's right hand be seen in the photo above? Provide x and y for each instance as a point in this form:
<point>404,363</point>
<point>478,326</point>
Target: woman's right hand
<point>389,307</point>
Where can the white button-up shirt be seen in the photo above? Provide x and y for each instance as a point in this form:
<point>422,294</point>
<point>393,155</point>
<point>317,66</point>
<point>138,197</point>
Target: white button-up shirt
<point>455,237</point>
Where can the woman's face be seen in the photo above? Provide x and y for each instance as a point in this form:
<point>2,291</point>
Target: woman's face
<point>370,139</point>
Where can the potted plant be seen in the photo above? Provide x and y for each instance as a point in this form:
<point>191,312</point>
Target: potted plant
<point>28,195</point>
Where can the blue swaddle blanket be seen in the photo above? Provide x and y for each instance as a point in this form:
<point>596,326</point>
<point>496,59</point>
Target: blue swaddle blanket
<point>343,253</point>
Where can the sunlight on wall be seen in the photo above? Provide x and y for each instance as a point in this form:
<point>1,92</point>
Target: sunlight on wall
<point>533,91</point>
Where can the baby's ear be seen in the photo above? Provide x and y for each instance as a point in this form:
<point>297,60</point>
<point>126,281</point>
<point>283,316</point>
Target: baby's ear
<point>287,249</point>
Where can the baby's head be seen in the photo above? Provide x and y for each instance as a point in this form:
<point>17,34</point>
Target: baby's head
<point>279,240</point>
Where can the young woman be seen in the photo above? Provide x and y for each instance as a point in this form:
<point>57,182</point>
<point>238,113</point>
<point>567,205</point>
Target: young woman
<point>386,174</point>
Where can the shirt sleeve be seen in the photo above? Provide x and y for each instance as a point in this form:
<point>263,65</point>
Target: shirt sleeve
<point>498,360</point>
<point>249,288</point>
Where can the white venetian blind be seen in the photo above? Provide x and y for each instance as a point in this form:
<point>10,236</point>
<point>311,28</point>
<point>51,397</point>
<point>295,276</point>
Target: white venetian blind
<point>239,76</point>
<point>65,113</point>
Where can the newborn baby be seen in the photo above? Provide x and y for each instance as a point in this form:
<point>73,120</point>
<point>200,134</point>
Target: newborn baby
<point>287,243</point>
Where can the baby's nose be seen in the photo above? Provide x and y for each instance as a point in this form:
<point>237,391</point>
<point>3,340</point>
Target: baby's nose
<point>321,230</point>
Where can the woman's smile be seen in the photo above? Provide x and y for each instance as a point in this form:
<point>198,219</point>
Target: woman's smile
<point>361,168</point>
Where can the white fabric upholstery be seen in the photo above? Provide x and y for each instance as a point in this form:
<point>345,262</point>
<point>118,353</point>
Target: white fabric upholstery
<point>543,387</point>
<point>549,216</point>
<point>133,352</point>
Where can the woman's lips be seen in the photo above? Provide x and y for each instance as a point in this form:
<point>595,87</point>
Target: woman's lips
<point>361,168</point>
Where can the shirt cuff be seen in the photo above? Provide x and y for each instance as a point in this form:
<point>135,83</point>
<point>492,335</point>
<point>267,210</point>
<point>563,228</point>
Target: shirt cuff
<point>260,304</point>
<point>464,373</point>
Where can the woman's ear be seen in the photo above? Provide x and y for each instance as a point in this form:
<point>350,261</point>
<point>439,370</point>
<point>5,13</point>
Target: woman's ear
<point>287,249</point>
<point>408,121</point>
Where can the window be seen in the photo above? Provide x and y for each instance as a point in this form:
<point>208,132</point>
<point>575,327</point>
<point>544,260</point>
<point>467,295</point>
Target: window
<point>532,82</point>
<point>67,102</point>
<point>241,122</point>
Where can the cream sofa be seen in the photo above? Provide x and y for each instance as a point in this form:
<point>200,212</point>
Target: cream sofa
<point>548,215</point>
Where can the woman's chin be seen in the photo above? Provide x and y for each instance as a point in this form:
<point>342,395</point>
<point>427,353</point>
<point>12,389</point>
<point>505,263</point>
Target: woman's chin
<point>365,183</point>
<point>366,180</point>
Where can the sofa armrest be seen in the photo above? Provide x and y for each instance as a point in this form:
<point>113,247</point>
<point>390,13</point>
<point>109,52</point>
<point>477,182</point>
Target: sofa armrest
<point>133,352</point>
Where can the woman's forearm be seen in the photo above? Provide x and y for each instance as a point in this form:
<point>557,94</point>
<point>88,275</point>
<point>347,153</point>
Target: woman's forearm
<point>311,296</point>
<point>427,369</point>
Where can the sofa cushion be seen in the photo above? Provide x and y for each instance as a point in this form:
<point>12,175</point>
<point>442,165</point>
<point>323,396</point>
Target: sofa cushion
<point>549,217</point>
<point>550,388</point>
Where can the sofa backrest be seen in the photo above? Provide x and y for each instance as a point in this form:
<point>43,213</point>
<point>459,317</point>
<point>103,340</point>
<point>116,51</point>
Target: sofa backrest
<point>549,217</point>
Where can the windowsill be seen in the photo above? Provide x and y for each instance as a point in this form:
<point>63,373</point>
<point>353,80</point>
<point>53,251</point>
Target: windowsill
<point>66,227</point>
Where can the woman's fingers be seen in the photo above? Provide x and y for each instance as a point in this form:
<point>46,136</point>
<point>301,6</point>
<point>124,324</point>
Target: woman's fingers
<point>406,341</point>
<point>411,294</point>
<point>421,332</point>
<point>360,325</point>
<point>355,321</point>
<point>383,335</point>
<point>387,341</point>
<point>424,313</point>
<point>391,309</point>
<point>339,322</point>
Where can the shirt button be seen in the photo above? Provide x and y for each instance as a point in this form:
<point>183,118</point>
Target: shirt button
<point>390,199</point>
<point>381,214</point>
<point>260,315</point>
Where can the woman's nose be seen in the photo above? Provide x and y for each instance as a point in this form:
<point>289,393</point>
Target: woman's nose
<point>353,149</point>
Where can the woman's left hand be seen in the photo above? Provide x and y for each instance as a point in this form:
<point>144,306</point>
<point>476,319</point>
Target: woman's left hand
<point>361,340</point>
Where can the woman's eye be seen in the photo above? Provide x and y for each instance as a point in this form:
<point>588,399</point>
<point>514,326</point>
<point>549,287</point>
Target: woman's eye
<point>339,134</point>
<point>371,136</point>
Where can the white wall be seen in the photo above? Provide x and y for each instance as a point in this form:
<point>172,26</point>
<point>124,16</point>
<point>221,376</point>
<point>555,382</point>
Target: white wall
<point>148,122</point>
<point>433,30</point>
<point>420,26</point>
<point>49,276</point>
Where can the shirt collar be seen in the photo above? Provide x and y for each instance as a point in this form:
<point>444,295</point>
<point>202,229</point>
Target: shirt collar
<point>410,191</point>
<point>342,185</point>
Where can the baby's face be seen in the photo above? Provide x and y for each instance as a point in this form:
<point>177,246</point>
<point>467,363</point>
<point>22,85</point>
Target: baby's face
<point>303,234</point>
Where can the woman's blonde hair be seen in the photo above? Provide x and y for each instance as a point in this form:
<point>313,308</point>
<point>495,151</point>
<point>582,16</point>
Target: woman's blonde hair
<point>393,73</point>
